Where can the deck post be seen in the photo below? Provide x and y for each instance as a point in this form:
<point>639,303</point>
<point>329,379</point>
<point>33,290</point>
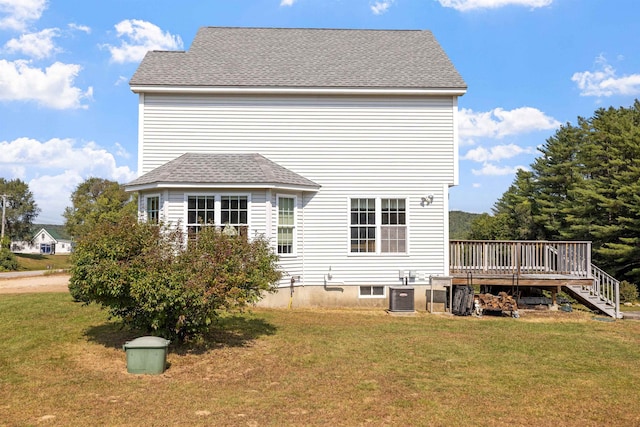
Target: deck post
<point>485,256</point>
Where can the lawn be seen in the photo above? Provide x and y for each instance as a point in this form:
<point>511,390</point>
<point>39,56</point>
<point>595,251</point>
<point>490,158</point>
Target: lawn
<point>32,262</point>
<point>63,364</point>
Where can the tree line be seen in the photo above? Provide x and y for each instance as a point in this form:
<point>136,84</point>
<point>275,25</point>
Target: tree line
<point>584,185</point>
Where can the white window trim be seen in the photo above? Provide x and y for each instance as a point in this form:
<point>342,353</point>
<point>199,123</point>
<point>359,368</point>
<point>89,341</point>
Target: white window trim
<point>384,292</point>
<point>217,207</point>
<point>294,251</point>
<point>378,204</point>
<point>144,207</point>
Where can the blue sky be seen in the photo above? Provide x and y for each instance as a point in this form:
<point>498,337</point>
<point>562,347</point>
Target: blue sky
<point>66,111</point>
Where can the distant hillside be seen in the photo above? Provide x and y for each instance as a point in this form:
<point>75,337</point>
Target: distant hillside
<point>460,224</point>
<point>53,227</point>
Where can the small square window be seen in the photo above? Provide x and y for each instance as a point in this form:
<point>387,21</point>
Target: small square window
<point>372,292</point>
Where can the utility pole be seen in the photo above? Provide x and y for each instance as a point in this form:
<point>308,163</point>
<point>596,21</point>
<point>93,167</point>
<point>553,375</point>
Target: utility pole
<point>4,210</point>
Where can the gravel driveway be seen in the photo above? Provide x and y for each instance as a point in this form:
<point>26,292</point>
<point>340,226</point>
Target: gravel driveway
<point>36,283</point>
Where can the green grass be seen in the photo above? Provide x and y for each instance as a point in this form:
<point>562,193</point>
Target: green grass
<point>34,262</point>
<point>63,363</point>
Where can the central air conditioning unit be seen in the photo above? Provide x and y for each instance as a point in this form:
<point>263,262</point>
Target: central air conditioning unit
<point>401,299</point>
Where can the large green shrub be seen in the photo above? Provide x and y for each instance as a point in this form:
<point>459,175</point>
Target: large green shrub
<point>150,278</point>
<point>628,292</point>
<point>8,261</point>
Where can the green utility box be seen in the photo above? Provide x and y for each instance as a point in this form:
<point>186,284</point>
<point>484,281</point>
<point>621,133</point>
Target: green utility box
<point>146,355</point>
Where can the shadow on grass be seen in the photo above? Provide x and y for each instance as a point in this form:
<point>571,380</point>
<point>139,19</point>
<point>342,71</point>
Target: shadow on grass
<point>36,257</point>
<point>228,331</point>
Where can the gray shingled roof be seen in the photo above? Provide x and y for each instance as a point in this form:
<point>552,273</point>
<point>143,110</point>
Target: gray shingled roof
<point>220,169</point>
<point>296,57</point>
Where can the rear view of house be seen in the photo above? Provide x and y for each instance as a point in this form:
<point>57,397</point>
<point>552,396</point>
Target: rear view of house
<point>337,145</point>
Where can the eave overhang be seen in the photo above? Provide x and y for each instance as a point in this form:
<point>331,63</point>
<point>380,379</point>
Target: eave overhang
<point>228,90</point>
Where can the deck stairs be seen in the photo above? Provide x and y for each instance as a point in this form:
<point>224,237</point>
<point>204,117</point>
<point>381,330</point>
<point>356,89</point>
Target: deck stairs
<point>603,295</point>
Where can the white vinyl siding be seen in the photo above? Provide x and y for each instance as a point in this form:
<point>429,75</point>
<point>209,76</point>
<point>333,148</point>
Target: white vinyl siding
<point>369,147</point>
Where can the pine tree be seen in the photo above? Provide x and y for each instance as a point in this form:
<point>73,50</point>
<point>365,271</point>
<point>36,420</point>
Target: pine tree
<point>555,175</point>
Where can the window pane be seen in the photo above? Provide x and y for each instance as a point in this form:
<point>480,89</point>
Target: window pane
<point>393,239</point>
<point>200,209</point>
<point>363,213</point>
<point>378,290</point>
<point>234,210</point>
<point>153,209</point>
<point>365,290</point>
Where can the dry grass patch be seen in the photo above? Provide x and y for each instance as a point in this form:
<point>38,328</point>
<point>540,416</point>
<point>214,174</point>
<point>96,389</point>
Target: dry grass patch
<point>63,365</point>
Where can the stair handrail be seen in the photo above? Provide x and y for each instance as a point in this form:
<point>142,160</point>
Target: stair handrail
<point>606,287</point>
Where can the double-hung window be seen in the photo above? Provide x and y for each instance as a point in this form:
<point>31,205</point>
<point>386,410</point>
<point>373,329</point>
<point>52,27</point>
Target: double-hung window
<point>152,209</point>
<point>393,228</point>
<point>286,224</point>
<point>363,225</point>
<point>378,225</point>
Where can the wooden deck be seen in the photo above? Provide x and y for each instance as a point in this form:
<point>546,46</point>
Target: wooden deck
<point>550,265</point>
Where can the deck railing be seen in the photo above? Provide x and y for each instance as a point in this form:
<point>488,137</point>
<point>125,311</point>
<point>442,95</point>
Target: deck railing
<point>520,257</point>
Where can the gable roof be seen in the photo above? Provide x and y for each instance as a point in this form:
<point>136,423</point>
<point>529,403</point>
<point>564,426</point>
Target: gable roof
<point>53,233</point>
<point>303,58</point>
<point>222,170</point>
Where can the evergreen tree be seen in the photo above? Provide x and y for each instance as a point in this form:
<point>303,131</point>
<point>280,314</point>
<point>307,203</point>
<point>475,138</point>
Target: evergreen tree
<point>518,205</point>
<point>556,175</point>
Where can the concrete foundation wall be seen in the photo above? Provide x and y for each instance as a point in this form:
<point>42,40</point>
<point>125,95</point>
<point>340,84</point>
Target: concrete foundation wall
<point>348,296</point>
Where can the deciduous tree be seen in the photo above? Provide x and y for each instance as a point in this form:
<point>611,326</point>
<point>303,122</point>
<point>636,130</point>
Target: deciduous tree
<point>20,210</point>
<point>96,200</point>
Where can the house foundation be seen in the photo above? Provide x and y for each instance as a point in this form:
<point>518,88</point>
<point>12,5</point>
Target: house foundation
<point>430,298</point>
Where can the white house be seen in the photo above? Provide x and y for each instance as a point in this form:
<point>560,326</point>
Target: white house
<point>45,242</point>
<point>338,145</point>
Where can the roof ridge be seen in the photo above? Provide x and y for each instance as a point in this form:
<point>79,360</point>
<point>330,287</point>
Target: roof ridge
<point>318,28</point>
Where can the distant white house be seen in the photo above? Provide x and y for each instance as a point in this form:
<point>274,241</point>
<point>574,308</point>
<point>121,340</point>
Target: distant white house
<point>45,242</point>
<point>338,145</point>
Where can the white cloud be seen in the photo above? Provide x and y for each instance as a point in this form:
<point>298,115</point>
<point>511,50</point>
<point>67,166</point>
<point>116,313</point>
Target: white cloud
<point>36,45</point>
<point>605,82</point>
<point>16,14</point>
<point>121,151</point>
<point>287,2</point>
<point>138,37</point>
<point>122,80</point>
<point>493,170</point>
<point>83,28</point>
<point>496,153</point>
<point>381,7</point>
<point>499,123</point>
<point>476,185</point>
<point>52,87</point>
<point>466,5</point>
<point>61,165</point>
